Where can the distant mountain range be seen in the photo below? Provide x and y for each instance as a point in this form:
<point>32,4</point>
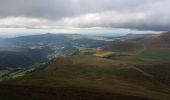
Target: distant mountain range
<point>136,36</point>
<point>57,39</point>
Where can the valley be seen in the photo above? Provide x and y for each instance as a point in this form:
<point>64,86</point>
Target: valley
<point>29,52</point>
<point>84,50</point>
<point>87,68</point>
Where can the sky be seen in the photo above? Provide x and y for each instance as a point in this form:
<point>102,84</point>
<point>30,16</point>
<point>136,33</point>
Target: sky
<point>21,17</point>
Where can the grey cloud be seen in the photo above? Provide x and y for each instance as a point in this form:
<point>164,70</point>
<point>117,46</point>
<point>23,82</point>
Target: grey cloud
<point>63,8</point>
<point>157,12</point>
<point>35,8</point>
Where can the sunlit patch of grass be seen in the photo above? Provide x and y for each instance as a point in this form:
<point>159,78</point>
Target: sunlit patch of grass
<point>21,72</point>
<point>103,54</point>
<point>11,73</point>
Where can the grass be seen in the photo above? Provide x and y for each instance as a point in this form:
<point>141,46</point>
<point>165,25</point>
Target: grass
<point>152,56</point>
<point>46,93</point>
<point>99,75</point>
<point>147,56</point>
<point>151,61</point>
<point>121,71</point>
<point>123,46</point>
<point>103,54</point>
<point>21,72</point>
<point>95,73</point>
<point>12,73</point>
<point>3,72</point>
<point>70,50</point>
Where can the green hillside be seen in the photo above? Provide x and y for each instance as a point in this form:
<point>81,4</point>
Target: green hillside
<point>123,46</point>
<point>23,57</point>
<point>160,41</point>
<point>157,41</point>
<point>82,75</point>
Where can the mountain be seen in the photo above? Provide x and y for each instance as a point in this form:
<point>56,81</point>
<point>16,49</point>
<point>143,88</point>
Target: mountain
<point>150,54</point>
<point>59,39</point>
<point>131,36</point>
<point>26,51</point>
<point>136,36</point>
<point>5,44</point>
<point>133,69</point>
<point>39,39</point>
<point>123,46</point>
<point>159,41</point>
<point>85,77</point>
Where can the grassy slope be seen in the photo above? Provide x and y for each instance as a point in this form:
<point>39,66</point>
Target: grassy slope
<point>85,75</point>
<point>153,57</point>
<point>123,46</point>
<point>160,41</point>
<point>154,61</point>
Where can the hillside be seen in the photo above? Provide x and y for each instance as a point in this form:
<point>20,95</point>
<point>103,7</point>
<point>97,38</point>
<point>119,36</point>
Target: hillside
<point>160,41</point>
<point>23,57</point>
<point>124,70</point>
<point>123,46</point>
<point>89,78</point>
<point>131,36</point>
<point>20,53</point>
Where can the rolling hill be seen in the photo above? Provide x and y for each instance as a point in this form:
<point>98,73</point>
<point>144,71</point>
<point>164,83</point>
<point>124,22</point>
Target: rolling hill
<point>161,40</point>
<point>124,70</point>
<point>31,51</point>
<point>123,46</point>
<point>150,54</point>
<point>59,40</point>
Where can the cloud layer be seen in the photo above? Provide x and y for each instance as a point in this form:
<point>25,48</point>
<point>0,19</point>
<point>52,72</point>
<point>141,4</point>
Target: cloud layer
<point>53,14</point>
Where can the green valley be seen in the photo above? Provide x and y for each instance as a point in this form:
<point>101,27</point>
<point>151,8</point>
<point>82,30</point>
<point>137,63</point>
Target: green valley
<point>119,70</point>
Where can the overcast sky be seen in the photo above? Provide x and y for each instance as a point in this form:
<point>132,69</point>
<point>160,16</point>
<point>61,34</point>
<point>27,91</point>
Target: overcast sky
<point>83,16</point>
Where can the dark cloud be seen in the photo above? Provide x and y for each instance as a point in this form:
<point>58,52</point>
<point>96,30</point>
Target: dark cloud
<point>63,8</point>
<point>134,14</point>
<point>36,8</point>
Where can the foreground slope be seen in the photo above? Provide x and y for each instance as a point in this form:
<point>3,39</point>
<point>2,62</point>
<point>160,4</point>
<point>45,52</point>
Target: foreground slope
<point>85,78</point>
